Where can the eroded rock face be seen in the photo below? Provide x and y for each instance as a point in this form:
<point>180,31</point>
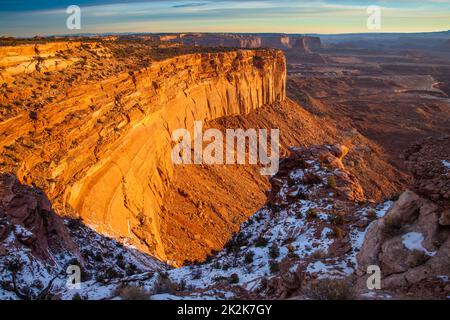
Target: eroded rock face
<point>429,162</point>
<point>411,243</point>
<point>27,217</point>
<point>305,44</point>
<point>102,151</point>
<point>37,246</point>
<point>28,58</point>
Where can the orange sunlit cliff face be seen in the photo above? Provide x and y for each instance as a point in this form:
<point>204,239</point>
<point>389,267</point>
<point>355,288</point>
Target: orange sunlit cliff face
<point>88,179</point>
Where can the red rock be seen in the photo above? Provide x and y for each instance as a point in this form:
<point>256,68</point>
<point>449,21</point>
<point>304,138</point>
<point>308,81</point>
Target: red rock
<point>30,217</point>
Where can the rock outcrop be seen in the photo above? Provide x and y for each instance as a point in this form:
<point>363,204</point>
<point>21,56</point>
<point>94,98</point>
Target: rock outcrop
<point>33,57</point>
<point>37,246</point>
<point>101,151</point>
<point>411,243</point>
<point>303,44</point>
<point>307,44</point>
<point>27,218</point>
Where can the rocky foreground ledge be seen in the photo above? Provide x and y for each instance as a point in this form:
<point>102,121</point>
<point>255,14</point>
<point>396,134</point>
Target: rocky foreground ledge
<point>314,239</point>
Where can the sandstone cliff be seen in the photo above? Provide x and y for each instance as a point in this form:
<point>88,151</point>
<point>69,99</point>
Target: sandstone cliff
<point>28,58</point>
<point>101,150</point>
<point>302,44</point>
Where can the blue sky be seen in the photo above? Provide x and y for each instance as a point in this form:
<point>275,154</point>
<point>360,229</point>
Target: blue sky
<point>29,18</point>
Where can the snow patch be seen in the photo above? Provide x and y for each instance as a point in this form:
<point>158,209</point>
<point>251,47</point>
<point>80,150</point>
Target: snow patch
<point>446,164</point>
<point>413,241</point>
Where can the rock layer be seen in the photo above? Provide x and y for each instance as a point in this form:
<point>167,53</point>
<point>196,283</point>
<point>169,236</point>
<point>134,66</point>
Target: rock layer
<point>104,148</point>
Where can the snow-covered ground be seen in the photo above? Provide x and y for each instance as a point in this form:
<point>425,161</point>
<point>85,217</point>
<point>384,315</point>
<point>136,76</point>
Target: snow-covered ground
<point>309,225</point>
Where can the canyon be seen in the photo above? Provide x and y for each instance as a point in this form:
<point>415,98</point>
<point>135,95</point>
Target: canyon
<point>86,141</point>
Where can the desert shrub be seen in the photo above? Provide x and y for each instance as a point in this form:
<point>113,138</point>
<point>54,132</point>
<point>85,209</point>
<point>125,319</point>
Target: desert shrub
<point>33,115</point>
<point>337,219</point>
<point>236,242</point>
<point>371,214</point>
<point>112,273</point>
<point>163,284</point>
<point>261,242</point>
<point>312,213</point>
<point>14,265</point>
<point>331,182</point>
<point>182,285</point>
<point>77,296</point>
<point>332,289</point>
<point>291,251</point>
<point>248,259</point>
<point>319,254</point>
<point>120,261</point>
<point>263,284</point>
<point>132,293</point>
<point>274,266</point>
<point>337,231</point>
<point>97,257</point>
<point>311,178</point>
<point>234,278</point>
<point>274,251</point>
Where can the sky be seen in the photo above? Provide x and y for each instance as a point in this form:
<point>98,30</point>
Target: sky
<point>48,17</point>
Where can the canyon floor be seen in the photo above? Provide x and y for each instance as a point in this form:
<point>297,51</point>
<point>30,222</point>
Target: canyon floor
<point>364,179</point>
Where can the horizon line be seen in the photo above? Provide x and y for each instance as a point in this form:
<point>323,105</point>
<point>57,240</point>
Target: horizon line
<point>220,32</point>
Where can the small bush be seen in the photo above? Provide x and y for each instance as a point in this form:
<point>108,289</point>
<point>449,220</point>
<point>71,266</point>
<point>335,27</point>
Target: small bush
<point>261,242</point>
<point>319,254</point>
<point>311,179</point>
<point>274,251</point>
<point>77,296</point>
<point>234,278</point>
<point>163,284</point>
<point>338,232</point>
<point>236,242</point>
<point>332,289</point>
<point>291,251</point>
<point>132,293</point>
<point>112,273</point>
<point>274,266</point>
<point>14,265</point>
<point>331,182</point>
<point>249,257</point>
<point>371,214</point>
<point>337,219</point>
<point>312,213</point>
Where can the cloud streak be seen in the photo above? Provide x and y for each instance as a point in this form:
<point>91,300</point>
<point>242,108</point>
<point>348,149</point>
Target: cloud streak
<point>307,16</point>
